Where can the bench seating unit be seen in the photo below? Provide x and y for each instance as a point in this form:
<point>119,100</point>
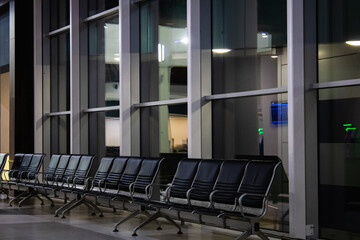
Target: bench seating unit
<point>225,189</point>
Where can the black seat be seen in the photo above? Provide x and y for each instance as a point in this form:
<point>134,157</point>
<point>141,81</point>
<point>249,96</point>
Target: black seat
<point>228,182</point>
<point>142,187</point>
<point>59,172</point>
<point>102,173</point>
<point>115,173</point>
<point>82,171</point>
<point>253,193</point>
<point>183,179</point>
<point>24,165</point>
<point>256,183</point>
<point>34,167</point>
<point>69,172</point>
<point>130,173</point>
<point>204,180</point>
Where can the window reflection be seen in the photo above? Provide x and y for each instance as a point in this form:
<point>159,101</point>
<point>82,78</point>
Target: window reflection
<point>164,129</point>
<point>250,54</point>
<point>338,36</point>
<point>163,50</point>
<point>97,6</point>
<point>4,36</point>
<point>60,72</point>
<point>104,62</point>
<point>104,133</point>
<point>339,161</point>
<point>60,134</point>
<point>60,14</point>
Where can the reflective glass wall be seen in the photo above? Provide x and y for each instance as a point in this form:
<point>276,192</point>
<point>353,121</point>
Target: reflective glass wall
<point>163,76</point>
<point>339,119</point>
<point>246,56</point>
<point>100,61</point>
<point>56,61</point>
<point>4,37</point>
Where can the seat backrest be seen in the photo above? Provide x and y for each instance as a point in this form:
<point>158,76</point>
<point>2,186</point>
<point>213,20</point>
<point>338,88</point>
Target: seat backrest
<point>103,169</point>
<point>72,166</point>
<point>258,178</point>
<point>206,175</point>
<point>35,165</point>
<point>230,175</point>
<point>147,174</point>
<point>83,168</point>
<point>54,160</point>
<point>61,167</point>
<point>116,172</point>
<point>130,172</point>
<point>3,158</point>
<point>17,161</point>
<point>229,179</point>
<point>25,162</point>
<point>184,177</point>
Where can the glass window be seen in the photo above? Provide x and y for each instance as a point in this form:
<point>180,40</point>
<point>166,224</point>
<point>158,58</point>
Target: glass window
<point>60,134</point>
<point>60,72</point>
<point>339,162</point>
<point>104,133</point>
<point>338,40</point>
<point>256,127</point>
<point>59,14</point>
<point>163,40</point>
<point>164,129</point>
<point>4,36</point>
<point>104,62</point>
<point>97,6</point>
<point>250,54</point>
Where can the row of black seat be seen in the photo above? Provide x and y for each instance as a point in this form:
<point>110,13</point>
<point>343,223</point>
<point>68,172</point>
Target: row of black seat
<point>226,189</point>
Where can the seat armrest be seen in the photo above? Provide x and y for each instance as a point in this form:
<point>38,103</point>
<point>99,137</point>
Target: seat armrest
<point>264,204</point>
<point>211,196</point>
<point>188,195</point>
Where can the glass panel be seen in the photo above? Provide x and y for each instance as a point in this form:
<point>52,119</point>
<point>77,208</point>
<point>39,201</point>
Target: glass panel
<point>104,62</point>
<point>256,127</point>
<point>338,40</point>
<point>4,36</point>
<point>60,14</point>
<point>251,54</point>
<point>339,162</point>
<point>164,41</point>
<point>97,6</point>
<point>104,133</point>
<point>164,129</point>
<point>60,134</point>
<point>60,72</point>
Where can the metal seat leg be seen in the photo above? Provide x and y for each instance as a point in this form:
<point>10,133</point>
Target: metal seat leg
<point>17,197</point>
<point>133,214</point>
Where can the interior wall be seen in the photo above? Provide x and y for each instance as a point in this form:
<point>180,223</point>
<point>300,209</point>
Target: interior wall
<point>5,112</point>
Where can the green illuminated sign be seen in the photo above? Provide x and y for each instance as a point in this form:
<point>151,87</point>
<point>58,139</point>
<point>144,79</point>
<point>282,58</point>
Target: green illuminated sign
<point>261,131</point>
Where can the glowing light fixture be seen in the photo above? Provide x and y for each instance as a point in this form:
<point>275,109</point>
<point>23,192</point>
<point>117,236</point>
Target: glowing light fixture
<point>264,35</point>
<point>353,43</point>
<point>221,50</point>
<point>161,52</point>
<point>184,40</point>
<point>347,125</point>
<point>274,56</point>
<point>117,59</point>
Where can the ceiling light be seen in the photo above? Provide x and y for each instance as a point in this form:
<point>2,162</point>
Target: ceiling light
<point>274,56</point>
<point>221,50</point>
<point>353,43</point>
<point>264,35</point>
<point>184,40</point>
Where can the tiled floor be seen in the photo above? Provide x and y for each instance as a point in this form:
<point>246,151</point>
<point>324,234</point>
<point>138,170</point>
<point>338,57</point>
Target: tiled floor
<point>33,221</point>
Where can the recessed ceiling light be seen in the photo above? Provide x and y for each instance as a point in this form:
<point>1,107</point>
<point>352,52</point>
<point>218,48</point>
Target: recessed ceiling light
<point>221,50</point>
<point>353,43</point>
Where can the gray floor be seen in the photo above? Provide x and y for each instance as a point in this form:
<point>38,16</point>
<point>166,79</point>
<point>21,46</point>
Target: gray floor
<point>33,221</point>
